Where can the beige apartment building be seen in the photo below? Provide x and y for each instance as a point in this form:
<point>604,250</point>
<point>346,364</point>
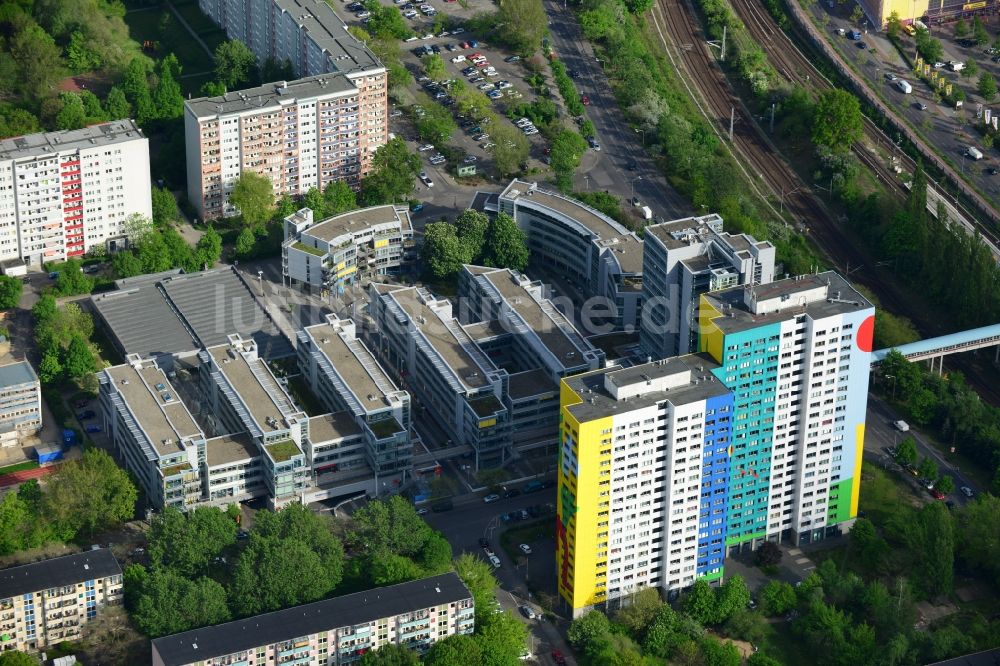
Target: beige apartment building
<point>332,632</point>
<point>47,602</point>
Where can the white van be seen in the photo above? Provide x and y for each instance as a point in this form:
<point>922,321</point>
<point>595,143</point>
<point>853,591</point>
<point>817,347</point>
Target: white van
<point>974,153</point>
<point>647,213</point>
<point>901,426</point>
<point>904,86</point>
<point>956,66</point>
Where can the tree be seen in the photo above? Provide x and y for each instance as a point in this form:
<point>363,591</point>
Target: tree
<point>153,253</point>
<point>588,634</point>
<point>478,577</point>
<point>296,522</point>
<point>434,68</point>
<point>857,14</point>
<point>510,149</point>
<point>272,573</point>
<point>386,23</point>
<point>233,63</point>
<point>164,206</point>
<point>389,654</point>
<point>768,555</point>
<point>208,250</point>
<point>961,28</point>
<point>246,241</point>
<point>78,359</point>
<point>523,24</point>
<point>15,658</point>
<point>505,245</point>
<point>50,368</point>
<point>436,124</point>
<point>970,69</point>
<point>116,106</point>
<point>71,116</point>
<point>392,174</point>
<point>391,525</point>
<point>731,597</point>
<point>89,495</point>
<point>979,33</point>
<point>927,468</point>
<point>15,518</point>
<point>906,452</point>
<point>567,149</point>
<point>987,86</point>
<point>471,227</point>
<point>893,26</point>
<point>870,548</point>
<point>10,292</point>
<point>135,86</point>
<point>456,650</point>
<point>166,602</point>
<point>15,121</point>
<point>837,121</point>
<point>126,264</point>
<point>253,196</point>
<point>213,89</point>
<point>187,543</point>
<point>339,198</point>
<point>715,652</point>
<point>167,96</point>
<point>977,525</point>
<point>928,47</point>
<point>932,538</point>
<point>700,602</point>
<point>640,611</point>
<point>777,597</point>
<point>272,70</point>
<point>945,484</point>
<point>501,640</point>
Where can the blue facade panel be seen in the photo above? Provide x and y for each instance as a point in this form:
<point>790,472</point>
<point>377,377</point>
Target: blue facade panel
<point>713,509</point>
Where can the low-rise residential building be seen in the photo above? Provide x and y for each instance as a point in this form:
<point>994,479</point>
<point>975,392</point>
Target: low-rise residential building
<point>20,403</point>
<point>582,246</point>
<point>48,602</point>
<point>683,259</point>
<point>346,377</point>
<point>64,193</point>
<point>328,255</point>
<point>332,632</point>
<point>433,357</point>
<point>153,432</point>
<point>245,397</point>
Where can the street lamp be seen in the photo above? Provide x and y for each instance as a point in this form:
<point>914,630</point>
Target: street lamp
<point>632,196</point>
<point>643,132</point>
<point>260,281</point>
<point>893,378</point>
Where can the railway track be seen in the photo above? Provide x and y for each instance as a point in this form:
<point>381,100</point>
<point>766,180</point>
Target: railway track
<point>788,59</point>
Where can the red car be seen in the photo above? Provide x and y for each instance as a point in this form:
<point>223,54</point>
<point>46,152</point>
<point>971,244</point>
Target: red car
<point>558,657</point>
<point>937,494</point>
<point>477,54</point>
<point>464,45</point>
<point>585,100</point>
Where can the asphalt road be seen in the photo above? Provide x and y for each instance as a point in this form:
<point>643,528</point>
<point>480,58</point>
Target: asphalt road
<point>620,143</point>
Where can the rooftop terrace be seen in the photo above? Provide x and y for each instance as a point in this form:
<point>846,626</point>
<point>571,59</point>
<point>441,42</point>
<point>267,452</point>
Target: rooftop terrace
<point>155,406</point>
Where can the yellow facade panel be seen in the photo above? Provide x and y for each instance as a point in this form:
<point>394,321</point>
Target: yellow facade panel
<point>381,243</point>
<point>859,434</point>
<point>710,336</point>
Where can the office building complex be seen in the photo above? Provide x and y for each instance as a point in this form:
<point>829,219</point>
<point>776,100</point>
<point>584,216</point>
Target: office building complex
<point>520,330</point>
<point>20,403</point>
<point>48,602</point>
<point>459,387</point>
<point>643,480</point>
<point>683,259</point>
<point>329,255</point>
<point>299,134</point>
<point>333,632</point>
<point>796,355</point>
<point>65,193</point>
<point>583,246</point>
<point>346,378</point>
<point>667,467</point>
<point>246,398</point>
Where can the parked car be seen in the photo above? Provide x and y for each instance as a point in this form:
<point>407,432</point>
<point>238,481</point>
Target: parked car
<point>528,612</point>
<point>458,58</point>
<point>937,494</point>
<point>525,548</point>
<point>901,426</point>
<point>422,511</point>
<point>966,490</point>
<point>494,94</point>
<point>513,492</point>
<point>495,561</point>
<point>441,507</point>
<point>585,100</point>
<point>513,58</point>
<point>470,159</point>
<point>558,657</point>
<point>84,415</point>
<point>93,427</point>
<point>492,497</point>
<point>426,179</point>
<point>425,147</point>
<point>533,486</point>
<point>416,208</point>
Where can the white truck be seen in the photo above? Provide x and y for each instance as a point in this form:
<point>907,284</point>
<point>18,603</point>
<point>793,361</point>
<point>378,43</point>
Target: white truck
<point>901,426</point>
<point>904,86</point>
<point>647,213</point>
<point>956,66</point>
<point>974,153</point>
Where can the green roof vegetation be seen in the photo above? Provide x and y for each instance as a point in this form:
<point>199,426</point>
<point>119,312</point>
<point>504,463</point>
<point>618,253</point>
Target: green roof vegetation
<point>385,428</point>
<point>175,469</point>
<point>311,250</point>
<point>486,405</point>
<point>282,451</point>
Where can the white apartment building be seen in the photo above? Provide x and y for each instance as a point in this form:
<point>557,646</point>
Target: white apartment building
<point>683,259</point>
<point>329,255</point>
<point>643,471</point>
<point>20,403</point>
<point>346,378</point>
<point>45,603</point>
<point>299,134</point>
<point>65,193</point>
<point>332,632</point>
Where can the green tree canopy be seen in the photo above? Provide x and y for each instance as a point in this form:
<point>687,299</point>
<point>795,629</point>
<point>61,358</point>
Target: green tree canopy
<point>246,243</point>
<point>520,25</point>
<point>390,525</point>
<point>253,196</point>
<point>471,227</point>
<point>510,149</point>
<point>700,602</point>
<point>186,543</point>
<point>164,206</point>
<point>116,106</point>
<point>640,612</point>
<point>78,359</point>
<point>505,245</point>
<point>436,124</point>
<point>501,640</point>
<point>837,121</point>
<point>167,97</point>
<point>208,250</point>
<point>389,654</point>
<point>10,292</point>
<point>733,596</point>
<point>567,149</point>
<point>777,597</point>
<point>457,650</point>
<point>234,63</point>
<point>392,174</point>
<point>435,69</point>
<point>89,495</point>
<point>441,252</point>
<point>386,23</point>
<point>166,602</point>
<point>987,86</point>
<point>339,198</point>
<point>589,634</point>
<point>16,658</point>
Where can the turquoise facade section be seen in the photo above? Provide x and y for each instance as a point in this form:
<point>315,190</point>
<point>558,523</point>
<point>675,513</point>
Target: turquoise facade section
<point>750,370</point>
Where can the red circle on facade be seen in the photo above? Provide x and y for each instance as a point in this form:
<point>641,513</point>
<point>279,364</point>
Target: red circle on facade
<point>866,334</point>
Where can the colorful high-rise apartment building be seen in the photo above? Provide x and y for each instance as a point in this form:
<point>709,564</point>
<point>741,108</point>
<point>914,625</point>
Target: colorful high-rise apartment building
<point>667,467</point>
<point>796,355</point>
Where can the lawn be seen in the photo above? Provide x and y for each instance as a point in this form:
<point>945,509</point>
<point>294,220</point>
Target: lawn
<point>145,25</point>
<point>528,533</point>
<point>195,18</point>
<point>19,467</point>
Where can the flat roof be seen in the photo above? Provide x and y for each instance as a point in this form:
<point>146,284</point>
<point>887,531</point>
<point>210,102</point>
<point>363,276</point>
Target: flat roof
<point>271,96</point>
<point>157,331</point>
<point>542,325</point>
<point>530,382</point>
<point>50,143</point>
<point>329,31</point>
<point>841,297</point>
<point>483,330</point>
<point>257,398</point>
<point>941,342</point>
<point>57,572</point>
<point>165,422</point>
<point>355,365</point>
<point>359,220</point>
<point>14,374</point>
<point>229,449</point>
<point>597,222</point>
<point>598,403</point>
<point>468,371</point>
<point>197,645</point>
<point>333,426</point>
<point>627,251</point>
